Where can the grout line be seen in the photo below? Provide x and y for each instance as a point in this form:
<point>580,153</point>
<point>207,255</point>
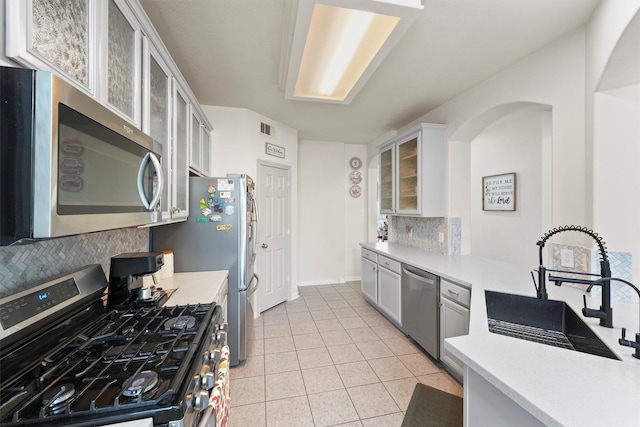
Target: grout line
<point>350,300</point>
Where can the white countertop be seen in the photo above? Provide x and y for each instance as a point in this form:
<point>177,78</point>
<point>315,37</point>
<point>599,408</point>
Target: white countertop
<point>194,287</point>
<point>559,387</point>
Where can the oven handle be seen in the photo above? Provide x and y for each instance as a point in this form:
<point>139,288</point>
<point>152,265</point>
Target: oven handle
<point>252,289</point>
<point>150,157</point>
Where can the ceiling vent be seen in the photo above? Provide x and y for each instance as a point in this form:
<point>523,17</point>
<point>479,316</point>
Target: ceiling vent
<point>265,129</point>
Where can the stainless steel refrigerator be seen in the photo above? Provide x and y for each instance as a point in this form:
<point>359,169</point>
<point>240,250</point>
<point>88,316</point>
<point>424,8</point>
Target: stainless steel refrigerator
<point>220,234</point>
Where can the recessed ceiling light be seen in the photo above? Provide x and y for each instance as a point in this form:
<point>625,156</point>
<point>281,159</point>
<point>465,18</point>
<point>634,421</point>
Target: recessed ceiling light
<point>337,45</point>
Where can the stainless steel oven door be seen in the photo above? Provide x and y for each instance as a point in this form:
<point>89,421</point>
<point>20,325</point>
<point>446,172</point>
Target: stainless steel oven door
<point>93,171</point>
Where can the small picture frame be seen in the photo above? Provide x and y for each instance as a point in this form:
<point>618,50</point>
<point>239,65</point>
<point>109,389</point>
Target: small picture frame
<point>499,192</point>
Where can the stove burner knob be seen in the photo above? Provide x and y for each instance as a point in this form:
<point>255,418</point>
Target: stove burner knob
<point>222,327</point>
<point>220,337</point>
<point>201,400</point>
<point>211,357</point>
<point>195,381</point>
<point>207,378</point>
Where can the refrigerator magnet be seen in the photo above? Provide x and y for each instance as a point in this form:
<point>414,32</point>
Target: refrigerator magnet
<point>224,227</point>
<point>224,194</point>
<point>225,184</point>
<point>229,210</point>
<point>215,218</point>
<point>211,189</point>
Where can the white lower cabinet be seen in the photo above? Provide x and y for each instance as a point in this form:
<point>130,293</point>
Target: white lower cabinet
<point>389,300</point>
<point>454,321</point>
<point>369,280</point>
<point>380,284</point>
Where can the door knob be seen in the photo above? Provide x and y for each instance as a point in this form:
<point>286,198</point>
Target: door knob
<point>265,246</point>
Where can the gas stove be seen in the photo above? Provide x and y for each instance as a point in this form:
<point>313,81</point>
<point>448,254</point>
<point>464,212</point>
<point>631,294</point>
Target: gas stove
<point>67,361</point>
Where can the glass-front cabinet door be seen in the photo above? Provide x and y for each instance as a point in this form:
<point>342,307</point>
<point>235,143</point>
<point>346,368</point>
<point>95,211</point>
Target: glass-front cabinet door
<point>408,184</point>
<point>196,143</point>
<point>206,152</point>
<point>157,118</point>
<point>57,35</point>
<point>123,63</point>
<point>180,155</point>
<point>387,180</point>
<point>412,172</point>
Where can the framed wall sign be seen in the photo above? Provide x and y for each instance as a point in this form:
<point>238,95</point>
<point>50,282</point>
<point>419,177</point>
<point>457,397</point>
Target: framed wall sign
<point>499,192</point>
<point>274,150</point>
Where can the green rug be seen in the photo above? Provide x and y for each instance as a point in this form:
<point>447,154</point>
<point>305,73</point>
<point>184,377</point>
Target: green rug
<point>433,407</point>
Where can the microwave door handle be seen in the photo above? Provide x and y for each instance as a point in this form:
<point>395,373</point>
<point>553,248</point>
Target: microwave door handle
<point>156,165</point>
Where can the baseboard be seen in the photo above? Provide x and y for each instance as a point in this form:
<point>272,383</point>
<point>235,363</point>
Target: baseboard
<point>322,282</point>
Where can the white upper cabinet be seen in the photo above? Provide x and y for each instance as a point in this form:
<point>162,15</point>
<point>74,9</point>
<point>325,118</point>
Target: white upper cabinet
<point>124,62</point>
<point>157,112</point>
<point>180,155</point>
<point>58,36</point>
<point>96,45</point>
<point>110,50</point>
<point>196,143</point>
<point>412,172</point>
<point>200,162</point>
<point>387,179</point>
<point>206,152</point>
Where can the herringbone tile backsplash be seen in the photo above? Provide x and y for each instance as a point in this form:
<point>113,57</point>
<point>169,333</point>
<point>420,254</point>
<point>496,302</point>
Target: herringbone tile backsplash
<point>25,266</point>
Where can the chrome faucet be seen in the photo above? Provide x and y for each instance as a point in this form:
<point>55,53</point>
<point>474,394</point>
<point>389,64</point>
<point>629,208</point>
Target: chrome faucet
<point>605,313</point>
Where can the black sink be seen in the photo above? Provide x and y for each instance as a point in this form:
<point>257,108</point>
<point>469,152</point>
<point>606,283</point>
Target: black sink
<point>546,322</point>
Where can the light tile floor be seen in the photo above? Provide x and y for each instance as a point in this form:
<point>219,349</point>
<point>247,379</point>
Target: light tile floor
<point>329,359</point>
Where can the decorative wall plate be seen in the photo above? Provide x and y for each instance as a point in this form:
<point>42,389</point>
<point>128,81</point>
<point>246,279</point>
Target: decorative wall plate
<point>355,191</point>
<point>355,162</point>
<point>355,177</point>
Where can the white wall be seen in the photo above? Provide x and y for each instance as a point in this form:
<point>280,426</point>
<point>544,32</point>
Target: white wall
<point>332,223</point>
<point>355,212</point>
<point>613,134</point>
<point>513,144</point>
<point>552,77</point>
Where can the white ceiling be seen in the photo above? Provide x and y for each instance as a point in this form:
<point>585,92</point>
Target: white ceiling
<point>229,52</point>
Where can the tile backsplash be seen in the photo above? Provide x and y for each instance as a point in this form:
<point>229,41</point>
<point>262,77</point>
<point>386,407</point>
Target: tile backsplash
<point>25,266</point>
<point>588,261</point>
<point>442,235</point>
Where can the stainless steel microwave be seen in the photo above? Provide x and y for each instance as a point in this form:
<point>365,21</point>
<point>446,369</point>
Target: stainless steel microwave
<point>68,165</point>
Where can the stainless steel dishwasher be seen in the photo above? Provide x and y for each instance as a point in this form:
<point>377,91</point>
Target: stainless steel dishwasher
<point>420,317</point>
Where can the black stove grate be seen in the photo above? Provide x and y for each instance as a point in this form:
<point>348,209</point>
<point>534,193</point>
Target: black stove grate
<point>123,361</point>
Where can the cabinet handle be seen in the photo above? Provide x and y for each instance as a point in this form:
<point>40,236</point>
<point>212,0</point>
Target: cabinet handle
<point>455,294</point>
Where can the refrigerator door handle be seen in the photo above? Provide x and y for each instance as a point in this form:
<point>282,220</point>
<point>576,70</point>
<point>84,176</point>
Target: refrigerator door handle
<point>252,289</point>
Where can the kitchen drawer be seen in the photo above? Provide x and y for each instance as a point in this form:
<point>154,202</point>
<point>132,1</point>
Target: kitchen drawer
<point>389,264</point>
<point>455,292</point>
<point>370,255</point>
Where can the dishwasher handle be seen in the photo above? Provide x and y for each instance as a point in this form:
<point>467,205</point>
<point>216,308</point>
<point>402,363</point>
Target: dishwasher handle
<point>431,281</point>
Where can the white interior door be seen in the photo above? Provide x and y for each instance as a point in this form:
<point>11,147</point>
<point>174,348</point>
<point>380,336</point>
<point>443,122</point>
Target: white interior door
<point>273,228</point>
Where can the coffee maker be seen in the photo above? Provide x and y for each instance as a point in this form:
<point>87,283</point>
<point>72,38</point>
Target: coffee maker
<point>126,280</point>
